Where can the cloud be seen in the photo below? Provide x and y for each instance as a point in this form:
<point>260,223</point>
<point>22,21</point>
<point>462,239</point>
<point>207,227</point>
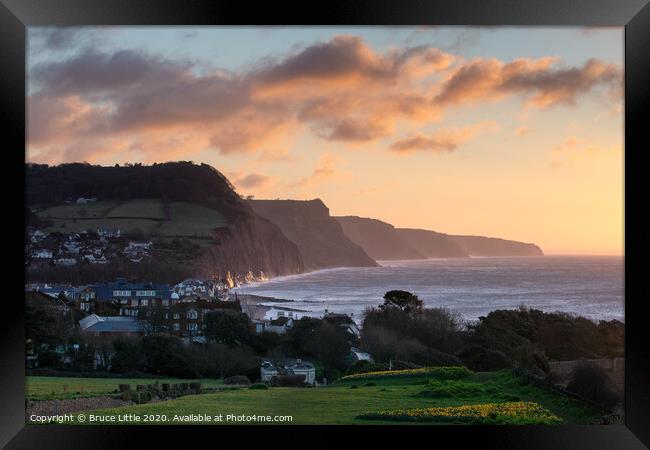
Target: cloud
<point>575,148</point>
<point>48,39</point>
<point>251,181</point>
<point>441,140</point>
<point>341,90</point>
<point>523,130</point>
<point>349,58</point>
<point>538,81</point>
<point>327,168</point>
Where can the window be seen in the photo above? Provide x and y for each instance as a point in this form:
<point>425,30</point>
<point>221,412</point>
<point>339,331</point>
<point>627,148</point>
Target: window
<point>192,327</point>
<point>121,293</point>
<point>145,293</point>
<point>192,314</point>
<point>177,326</point>
<point>134,302</point>
<point>144,302</point>
<point>177,316</point>
<point>165,302</point>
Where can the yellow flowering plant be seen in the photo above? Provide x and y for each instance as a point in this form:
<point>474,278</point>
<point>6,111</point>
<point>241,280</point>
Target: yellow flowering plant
<point>511,413</point>
<point>442,372</point>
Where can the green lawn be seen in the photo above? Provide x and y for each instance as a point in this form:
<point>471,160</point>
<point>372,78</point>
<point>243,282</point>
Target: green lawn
<point>152,208</point>
<point>341,404</point>
<point>50,388</point>
<point>147,215</point>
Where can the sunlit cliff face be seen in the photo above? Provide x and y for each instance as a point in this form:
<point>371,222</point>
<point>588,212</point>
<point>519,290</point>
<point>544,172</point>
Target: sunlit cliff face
<point>507,132</point>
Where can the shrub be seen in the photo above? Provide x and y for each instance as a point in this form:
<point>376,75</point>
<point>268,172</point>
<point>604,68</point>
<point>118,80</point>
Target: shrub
<point>354,386</point>
<point>259,386</point>
<point>485,360</point>
<point>591,382</point>
<point>453,389</point>
<point>513,413</point>
<point>364,366</point>
<point>370,383</point>
<point>443,373</point>
<point>288,380</point>
<point>238,379</point>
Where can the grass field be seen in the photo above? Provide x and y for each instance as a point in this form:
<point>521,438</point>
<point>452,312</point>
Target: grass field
<point>341,403</point>
<point>56,388</point>
<point>147,215</point>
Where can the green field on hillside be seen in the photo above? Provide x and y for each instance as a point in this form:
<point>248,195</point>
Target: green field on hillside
<point>344,402</point>
<point>150,216</point>
<point>51,388</point>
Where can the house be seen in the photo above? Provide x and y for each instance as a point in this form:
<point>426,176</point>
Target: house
<point>358,355</point>
<point>344,321</point>
<point>42,254</point>
<point>87,300</point>
<point>280,325</point>
<point>65,262</point>
<point>37,236</point>
<point>92,259</point>
<point>56,290</point>
<point>71,246</point>
<point>110,327</point>
<point>134,245</point>
<point>258,326</point>
<point>268,370</point>
<point>300,367</point>
<point>109,232</point>
<point>186,319</point>
<point>130,297</point>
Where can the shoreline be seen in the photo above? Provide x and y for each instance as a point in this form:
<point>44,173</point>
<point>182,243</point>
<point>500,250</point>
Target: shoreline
<point>253,306</point>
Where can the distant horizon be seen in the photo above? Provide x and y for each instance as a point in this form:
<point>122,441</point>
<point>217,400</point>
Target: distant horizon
<point>509,132</point>
<point>551,253</point>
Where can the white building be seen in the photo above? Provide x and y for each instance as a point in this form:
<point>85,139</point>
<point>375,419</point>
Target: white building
<point>295,367</point>
<point>300,367</point>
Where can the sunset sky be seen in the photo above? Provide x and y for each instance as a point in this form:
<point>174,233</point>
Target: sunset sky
<point>507,132</point>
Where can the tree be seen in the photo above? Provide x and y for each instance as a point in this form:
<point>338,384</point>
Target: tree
<point>402,300</point>
<point>227,327</point>
<point>166,355</point>
<point>329,344</point>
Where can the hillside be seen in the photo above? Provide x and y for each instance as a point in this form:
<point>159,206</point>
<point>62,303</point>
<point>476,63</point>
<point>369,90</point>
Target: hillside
<point>319,237</point>
<point>487,246</point>
<point>164,202</point>
<point>378,239</point>
<point>431,243</point>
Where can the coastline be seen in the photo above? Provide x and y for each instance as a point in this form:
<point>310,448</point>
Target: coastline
<point>254,307</point>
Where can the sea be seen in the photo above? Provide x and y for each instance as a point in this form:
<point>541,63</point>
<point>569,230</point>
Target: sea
<point>588,286</point>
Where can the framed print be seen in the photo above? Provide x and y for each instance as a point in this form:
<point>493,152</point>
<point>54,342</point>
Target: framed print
<point>368,218</point>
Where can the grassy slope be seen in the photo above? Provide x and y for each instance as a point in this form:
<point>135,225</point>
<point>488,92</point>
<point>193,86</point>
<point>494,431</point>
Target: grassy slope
<point>340,404</point>
<point>50,388</point>
<point>147,215</point>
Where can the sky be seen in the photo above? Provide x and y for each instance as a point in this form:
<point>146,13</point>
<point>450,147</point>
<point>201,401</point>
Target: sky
<point>509,132</point>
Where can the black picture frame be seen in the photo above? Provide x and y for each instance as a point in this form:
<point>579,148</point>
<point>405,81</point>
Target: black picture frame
<point>634,15</point>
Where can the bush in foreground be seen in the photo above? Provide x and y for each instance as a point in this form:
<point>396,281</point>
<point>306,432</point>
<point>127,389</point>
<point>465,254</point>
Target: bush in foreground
<point>513,413</point>
<point>591,382</point>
